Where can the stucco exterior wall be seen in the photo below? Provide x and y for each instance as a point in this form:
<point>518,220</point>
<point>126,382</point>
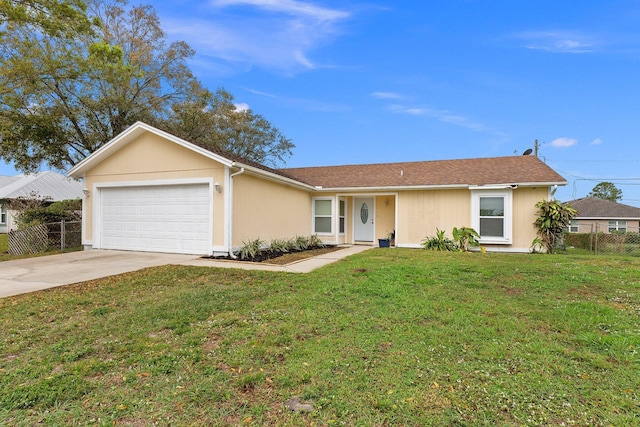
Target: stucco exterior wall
<point>152,158</point>
<point>385,216</point>
<point>420,213</point>
<point>268,210</point>
<point>602,225</point>
<point>525,214</point>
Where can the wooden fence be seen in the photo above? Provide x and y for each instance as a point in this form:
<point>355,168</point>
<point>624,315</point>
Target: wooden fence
<point>61,236</point>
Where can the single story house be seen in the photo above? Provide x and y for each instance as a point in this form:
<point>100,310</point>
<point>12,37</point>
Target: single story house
<point>48,185</point>
<point>148,190</point>
<point>599,215</point>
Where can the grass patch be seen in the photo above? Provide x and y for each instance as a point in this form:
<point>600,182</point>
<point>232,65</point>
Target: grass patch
<point>4,243</point>
<point>401,337</point>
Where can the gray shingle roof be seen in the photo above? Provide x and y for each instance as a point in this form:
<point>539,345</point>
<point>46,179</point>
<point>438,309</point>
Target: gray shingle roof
<point>592,207</point>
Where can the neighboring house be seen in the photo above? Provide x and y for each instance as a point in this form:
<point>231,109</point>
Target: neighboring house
<point>148,190</point>
<point>598,215</point>
<point>50,185</point>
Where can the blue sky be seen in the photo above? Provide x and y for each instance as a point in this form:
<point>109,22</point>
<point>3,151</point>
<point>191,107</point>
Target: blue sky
<point>376,81</point>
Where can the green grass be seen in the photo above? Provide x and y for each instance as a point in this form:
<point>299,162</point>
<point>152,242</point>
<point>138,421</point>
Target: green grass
<point>387,337</point>
<point>4,243</point>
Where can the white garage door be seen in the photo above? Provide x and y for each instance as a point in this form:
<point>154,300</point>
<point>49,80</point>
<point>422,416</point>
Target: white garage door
<point>166,218</point>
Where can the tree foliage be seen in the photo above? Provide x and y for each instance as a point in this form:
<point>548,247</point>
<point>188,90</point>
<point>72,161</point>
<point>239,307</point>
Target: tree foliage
<point>215,120</point>
<point>606,191</point>
<point>66,89</point>
<point>554,217</point>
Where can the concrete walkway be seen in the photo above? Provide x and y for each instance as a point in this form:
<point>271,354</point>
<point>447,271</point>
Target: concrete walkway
<point>34,274</point>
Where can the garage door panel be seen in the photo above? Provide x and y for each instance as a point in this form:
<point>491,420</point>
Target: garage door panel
<point>170,218</point>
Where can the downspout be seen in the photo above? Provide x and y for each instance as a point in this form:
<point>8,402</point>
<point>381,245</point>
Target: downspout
<point>230,222</point>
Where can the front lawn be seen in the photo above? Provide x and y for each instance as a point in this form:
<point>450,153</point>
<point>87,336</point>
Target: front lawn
<point>386,337</point>
<point>4,243</point>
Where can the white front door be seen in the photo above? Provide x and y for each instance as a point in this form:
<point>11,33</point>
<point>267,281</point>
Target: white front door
<point>363,219</point>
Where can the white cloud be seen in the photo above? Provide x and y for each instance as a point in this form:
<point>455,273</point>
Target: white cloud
<point>564,142</point>
<point>558,41</point>
<point>596,141</point>
<point>291,7</point>
<point>386,95</point>
<point>241,107</point>
<point>275,34</point>
<point>440,115</point>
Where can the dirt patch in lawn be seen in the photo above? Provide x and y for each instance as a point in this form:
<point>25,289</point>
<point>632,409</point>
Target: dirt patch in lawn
<point>283,259</point>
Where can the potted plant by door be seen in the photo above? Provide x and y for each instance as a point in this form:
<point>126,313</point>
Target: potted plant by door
<point>388,241</point>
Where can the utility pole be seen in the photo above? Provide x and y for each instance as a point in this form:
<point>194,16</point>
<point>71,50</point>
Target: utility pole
<point>535,147</point>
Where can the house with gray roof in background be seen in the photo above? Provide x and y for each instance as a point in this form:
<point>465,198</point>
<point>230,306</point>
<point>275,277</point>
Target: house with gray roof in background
<point>598,215</point>
<point>48,185</point>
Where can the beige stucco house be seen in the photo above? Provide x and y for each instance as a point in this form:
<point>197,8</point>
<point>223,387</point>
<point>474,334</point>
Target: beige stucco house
<point>603,216</point>
<point>148,190</point>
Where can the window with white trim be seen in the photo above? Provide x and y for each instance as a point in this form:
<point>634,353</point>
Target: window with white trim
<point>491,215</point>
<point>341,215</point>
<point>3,215</point>
<point>573,226</point>
<point>322,216</point>
<point>620,226</point>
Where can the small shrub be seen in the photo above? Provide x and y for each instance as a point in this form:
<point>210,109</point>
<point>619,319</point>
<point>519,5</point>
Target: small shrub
<point>465,237</point>
<point>439,243</point>
<point>250,249</point>
<point>315,242</point>
<point>554,218</point>
<point>299,243</point>
<point>279,246</point>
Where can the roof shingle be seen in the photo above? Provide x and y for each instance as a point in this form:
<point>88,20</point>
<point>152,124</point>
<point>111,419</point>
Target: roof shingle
<point>481,171</point>
<point>593,207</point>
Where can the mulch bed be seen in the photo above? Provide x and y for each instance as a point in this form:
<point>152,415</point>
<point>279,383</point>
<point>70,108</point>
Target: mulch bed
<point>280,258</point>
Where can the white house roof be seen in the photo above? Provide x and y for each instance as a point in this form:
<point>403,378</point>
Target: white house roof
<point>48,184</point>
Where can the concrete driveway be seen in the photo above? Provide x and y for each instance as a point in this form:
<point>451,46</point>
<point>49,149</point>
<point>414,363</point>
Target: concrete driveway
<point>32,274</point>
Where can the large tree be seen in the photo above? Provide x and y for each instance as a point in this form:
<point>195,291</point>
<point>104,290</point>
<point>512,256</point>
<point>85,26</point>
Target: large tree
<point>215,120</point>
<point>606,191</point>
<point>73,77</point>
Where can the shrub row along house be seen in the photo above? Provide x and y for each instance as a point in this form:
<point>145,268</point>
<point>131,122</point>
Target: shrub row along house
<point>149,190</point>
<point>46,186</point>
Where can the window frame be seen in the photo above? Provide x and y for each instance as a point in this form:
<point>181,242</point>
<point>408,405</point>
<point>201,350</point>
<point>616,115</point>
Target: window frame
<point>314,216</point>
<point>574,226</point>
<point>617,226</point>
<point>3,215</point>
<point>342,216</point>
<point>507,224</point>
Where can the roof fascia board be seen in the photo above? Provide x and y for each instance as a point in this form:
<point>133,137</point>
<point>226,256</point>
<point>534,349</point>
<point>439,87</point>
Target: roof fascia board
<point>439,187</point>
<point>391,188</point>
<point>273,177</point>
<point>130,134</point>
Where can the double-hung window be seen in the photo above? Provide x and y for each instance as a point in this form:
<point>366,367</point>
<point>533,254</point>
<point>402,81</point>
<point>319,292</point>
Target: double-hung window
<point>322,216</point>
<point>619,226</point>
<point>491,215</point>
<point>3,215</point>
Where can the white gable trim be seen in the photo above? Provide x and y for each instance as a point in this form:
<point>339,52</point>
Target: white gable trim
<point>127,136</point>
